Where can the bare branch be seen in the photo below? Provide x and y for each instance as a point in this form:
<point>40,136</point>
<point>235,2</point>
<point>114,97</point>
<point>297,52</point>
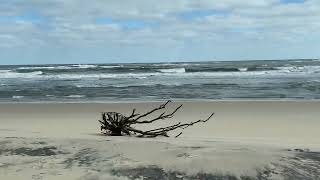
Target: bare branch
<point>133,114</point>
<point>178,125</point>
<point>162,106</point>
<point>160,117</point>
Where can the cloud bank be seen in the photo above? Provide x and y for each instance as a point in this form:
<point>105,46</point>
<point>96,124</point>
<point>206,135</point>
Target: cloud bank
<point>79,31</point>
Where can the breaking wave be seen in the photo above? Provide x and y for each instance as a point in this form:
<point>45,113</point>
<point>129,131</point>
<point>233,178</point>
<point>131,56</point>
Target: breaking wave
<point>75,96</point>
<point>37,67</point>
<point>210,69</point>
<point>84,66</point>
<point>206,72</point>
<point>301,69</point>
<point>10,74</point>
<point>110,67</point>
<point>66,67</point>
<point>174,70</point>
<point>17,97</point>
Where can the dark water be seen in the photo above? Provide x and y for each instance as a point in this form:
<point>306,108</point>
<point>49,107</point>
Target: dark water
<point>285,79</point>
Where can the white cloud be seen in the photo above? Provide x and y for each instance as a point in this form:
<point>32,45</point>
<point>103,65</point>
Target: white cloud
<point>73,23</point>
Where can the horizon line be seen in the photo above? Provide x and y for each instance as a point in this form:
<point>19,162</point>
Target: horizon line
<point>160,62</point>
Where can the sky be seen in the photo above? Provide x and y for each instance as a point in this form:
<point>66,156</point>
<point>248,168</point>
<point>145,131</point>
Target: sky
<point>114,31</point>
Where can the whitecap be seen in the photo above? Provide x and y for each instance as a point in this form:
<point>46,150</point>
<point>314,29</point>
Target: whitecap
<point>84,66</point>
<point>82,76</point>
<point>75,66</point>
<point>110,67</point>
<point>63,67</point>
<point>243,69</point>
<point>10,74</point>
<point>299,69</point>
<point>17,97</point>
<point>45,67</point>
<point>36,67</point>
<point>173,70</point>
<point>75,96</point>
<point>164,64</point>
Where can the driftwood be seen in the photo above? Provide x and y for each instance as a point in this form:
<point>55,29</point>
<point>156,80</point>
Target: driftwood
<point>116,124</point>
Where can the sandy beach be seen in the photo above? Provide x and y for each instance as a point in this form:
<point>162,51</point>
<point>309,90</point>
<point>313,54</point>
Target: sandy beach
<point>159,90</point>
<point>244,140</point>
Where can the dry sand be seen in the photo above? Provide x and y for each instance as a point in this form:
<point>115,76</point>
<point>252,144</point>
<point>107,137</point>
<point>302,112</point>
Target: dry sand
<point>244,140</point>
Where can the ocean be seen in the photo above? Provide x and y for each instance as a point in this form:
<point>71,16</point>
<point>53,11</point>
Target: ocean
<point>217,80</point>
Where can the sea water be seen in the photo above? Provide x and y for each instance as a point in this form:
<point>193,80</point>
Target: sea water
<point>216,80</point>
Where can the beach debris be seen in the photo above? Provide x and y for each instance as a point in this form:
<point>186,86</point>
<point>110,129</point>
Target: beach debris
<point>301,150</point>
<point>116,124</point>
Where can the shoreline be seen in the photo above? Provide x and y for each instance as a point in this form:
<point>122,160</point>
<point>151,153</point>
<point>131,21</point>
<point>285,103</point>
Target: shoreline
<point>159,101</point>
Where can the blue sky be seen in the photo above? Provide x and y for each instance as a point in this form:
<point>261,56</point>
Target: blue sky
<point>79,31</point>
